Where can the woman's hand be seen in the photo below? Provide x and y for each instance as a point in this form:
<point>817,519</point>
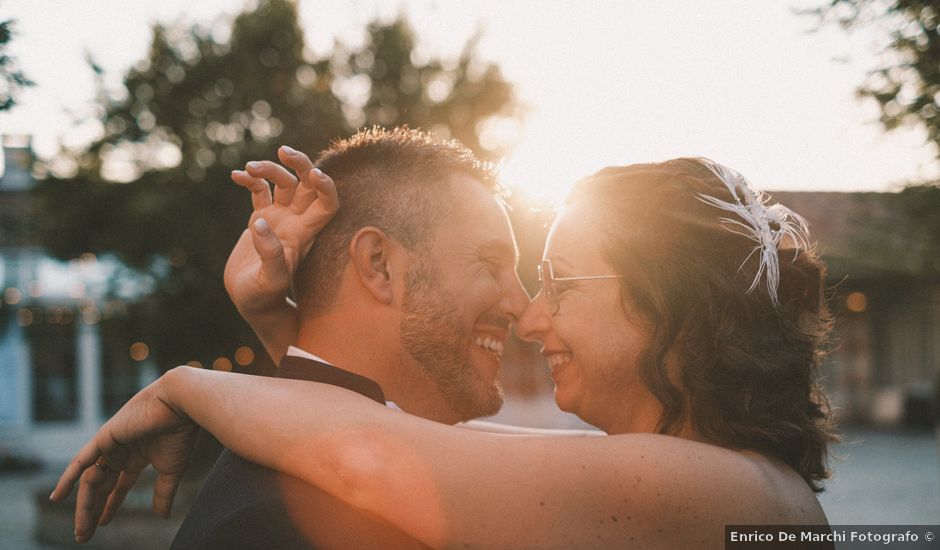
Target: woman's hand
<point>281,231</point>
<point>147,430</point>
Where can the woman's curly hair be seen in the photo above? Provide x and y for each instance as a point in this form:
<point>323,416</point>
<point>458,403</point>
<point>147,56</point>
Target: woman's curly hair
<point>748,376</point>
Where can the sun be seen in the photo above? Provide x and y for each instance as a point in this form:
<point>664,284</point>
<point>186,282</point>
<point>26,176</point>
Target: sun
<point>534,181</point>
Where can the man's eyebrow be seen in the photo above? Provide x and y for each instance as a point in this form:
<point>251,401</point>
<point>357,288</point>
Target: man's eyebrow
<point>500,248</point>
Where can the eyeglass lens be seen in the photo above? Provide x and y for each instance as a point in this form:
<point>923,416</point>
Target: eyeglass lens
<point>547,279</point>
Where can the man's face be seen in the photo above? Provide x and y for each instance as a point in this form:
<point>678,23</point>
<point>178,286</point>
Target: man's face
<point>461,295</point>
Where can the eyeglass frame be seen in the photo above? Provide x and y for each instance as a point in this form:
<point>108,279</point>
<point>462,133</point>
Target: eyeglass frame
<point>549,289</point>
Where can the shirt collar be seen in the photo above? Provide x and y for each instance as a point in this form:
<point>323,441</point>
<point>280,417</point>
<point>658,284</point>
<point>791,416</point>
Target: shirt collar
<point>294,351</point>
<point>302,365</point>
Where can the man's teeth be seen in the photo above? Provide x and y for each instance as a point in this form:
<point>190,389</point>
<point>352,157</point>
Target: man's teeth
<point>490,344</point>
<point>558,359</point>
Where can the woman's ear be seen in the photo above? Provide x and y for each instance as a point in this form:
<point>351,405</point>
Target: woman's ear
<point>371,252</point>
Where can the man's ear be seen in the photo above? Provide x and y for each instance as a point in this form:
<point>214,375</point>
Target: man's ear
<point>371,251</point>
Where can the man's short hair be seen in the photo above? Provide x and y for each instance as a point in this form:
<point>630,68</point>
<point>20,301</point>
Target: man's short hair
<point>396,180</point>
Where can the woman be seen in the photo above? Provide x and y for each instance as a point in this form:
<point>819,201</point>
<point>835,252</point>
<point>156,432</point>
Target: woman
<point>678,312</point>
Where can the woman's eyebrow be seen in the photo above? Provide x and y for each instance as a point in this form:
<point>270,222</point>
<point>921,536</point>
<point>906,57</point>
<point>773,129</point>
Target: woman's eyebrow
<point>559,260</point>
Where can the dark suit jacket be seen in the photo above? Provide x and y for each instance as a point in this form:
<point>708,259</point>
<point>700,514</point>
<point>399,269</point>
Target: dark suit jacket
<point>245,506</point>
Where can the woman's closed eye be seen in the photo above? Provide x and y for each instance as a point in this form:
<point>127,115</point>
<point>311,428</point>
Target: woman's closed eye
<point>561,287</point>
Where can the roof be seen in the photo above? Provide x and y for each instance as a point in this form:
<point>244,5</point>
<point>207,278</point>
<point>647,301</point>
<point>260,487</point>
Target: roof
<point>865,235</point>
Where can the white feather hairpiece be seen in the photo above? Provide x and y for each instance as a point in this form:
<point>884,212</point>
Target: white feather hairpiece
<point>766,225</point>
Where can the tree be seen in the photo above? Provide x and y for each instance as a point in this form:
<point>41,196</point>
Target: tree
<point>907,83</point>
<point>906,87</point>
<point>155,191</point>
<point>12,79</point>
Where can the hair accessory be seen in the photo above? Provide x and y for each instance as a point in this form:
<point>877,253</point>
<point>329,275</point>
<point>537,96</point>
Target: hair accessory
<point>766,225</point>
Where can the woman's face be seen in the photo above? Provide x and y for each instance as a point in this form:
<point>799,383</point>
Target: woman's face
<point>589,338</point>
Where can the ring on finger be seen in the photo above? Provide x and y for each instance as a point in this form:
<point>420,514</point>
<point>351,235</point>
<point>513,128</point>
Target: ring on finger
<point>103,467</point>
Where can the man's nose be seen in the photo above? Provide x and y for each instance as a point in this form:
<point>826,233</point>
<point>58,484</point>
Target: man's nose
<point>515,299</point>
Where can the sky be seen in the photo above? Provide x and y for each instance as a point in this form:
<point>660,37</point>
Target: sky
<point>742,82</point>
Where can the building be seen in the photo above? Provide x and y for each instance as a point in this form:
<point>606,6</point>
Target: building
<point>58,376</point>
<point>885,293</point>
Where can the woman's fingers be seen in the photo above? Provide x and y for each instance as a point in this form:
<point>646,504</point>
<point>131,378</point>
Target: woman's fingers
<point>164,491</point>
<point>94,487</point>
<point>284,182</point>
<point>126,481</point>
<point>327,199</point>
<point>301,165</point>
<point>275,273</point>
<point>84,458</point>
<point>124,484</point>
<point>96,468</point>
<point>260,189</point>
<point>305,195</point>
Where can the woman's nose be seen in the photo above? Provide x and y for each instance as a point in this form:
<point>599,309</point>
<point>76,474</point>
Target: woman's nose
<point>536,320</point>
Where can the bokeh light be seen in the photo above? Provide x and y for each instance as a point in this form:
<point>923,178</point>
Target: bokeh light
<point>856,302</point>
<point>139,351</point>
<point>222,364</point>
<point>244,356</point>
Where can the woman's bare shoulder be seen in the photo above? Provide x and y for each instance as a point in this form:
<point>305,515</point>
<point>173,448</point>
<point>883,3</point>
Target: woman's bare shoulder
<point>651,490</point>
<point>719,482</point>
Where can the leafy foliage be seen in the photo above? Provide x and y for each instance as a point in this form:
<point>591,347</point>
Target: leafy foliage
<point>907,84</point>
<point>12,79</point>
<point>155,190</point>
<point>907,89</point>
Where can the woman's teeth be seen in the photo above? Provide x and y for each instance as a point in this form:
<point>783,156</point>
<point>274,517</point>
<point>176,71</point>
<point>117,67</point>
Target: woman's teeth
<point>558,359</point>
<point>490,344</point>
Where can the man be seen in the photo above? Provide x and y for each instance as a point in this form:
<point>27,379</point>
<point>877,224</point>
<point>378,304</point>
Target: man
<point>406,296</point>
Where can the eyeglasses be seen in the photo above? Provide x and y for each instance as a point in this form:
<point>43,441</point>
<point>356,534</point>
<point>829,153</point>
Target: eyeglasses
<point>548,279</point>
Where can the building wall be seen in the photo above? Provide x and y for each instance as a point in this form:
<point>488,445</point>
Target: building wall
<point>15,383</point>
<point>886,357</point>
<point>50,379</point>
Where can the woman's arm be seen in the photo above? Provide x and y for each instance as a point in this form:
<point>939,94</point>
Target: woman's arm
<point>281,231</point>
<point>259,293</point>
<point>444,486</point>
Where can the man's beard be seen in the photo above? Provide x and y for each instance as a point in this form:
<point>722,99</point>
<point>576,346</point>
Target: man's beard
<point>432,333</point>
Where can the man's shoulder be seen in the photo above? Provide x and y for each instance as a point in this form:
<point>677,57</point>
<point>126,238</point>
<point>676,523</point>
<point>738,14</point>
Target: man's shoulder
<point>233,483</point>
<point>240,505</point>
